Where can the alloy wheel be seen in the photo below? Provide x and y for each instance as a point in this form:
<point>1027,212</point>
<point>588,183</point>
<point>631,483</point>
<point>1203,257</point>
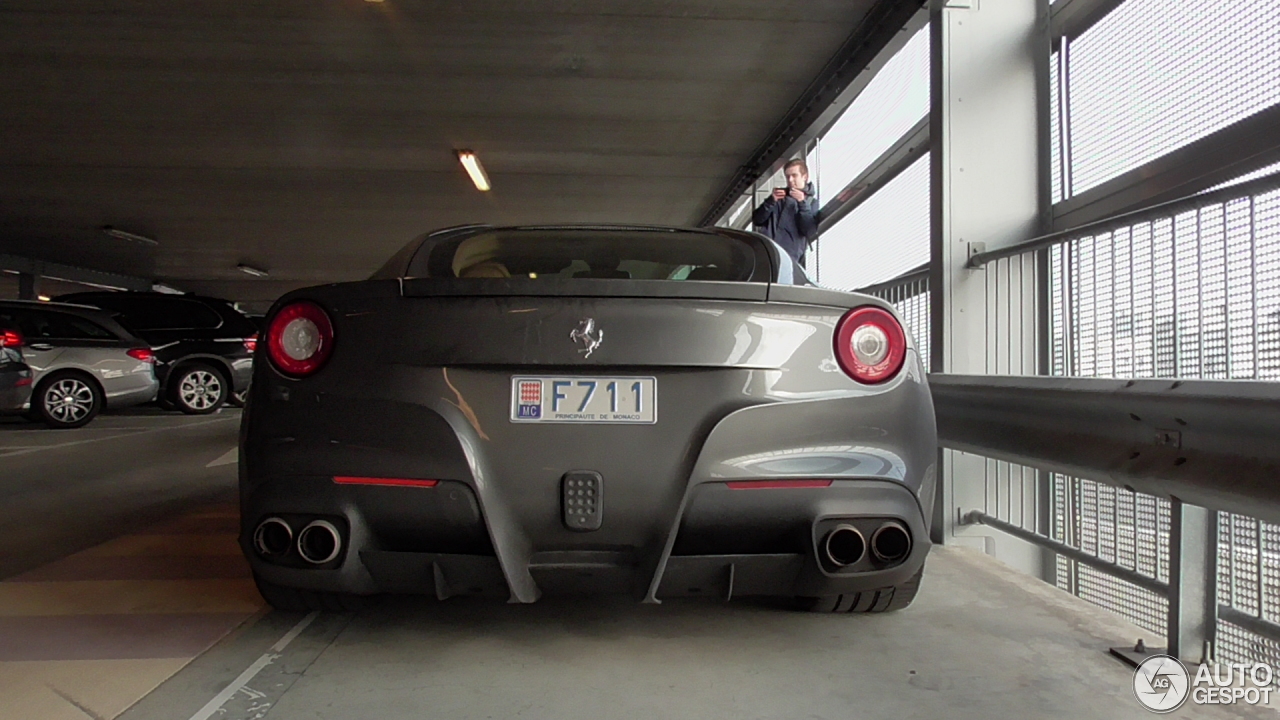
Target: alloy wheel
<point>69,400</point>
<point>200,390</point>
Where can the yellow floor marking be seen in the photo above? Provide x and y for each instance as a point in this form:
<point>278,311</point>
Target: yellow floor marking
<point>167,546</point>
<point>110,597</point>
<point>54,690</point>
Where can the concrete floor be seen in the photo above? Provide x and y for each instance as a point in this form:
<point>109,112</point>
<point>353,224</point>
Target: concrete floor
<point>65,490</point>
<point>981,641</point>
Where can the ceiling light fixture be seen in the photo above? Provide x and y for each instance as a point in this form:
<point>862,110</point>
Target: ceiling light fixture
<point>44,298</point>
<point>251,270</point>
<point>471,162</point>
<point>131,237</point>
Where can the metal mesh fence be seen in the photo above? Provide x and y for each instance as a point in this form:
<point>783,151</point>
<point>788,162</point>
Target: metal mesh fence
<point>1012,493</point>
<point>1195,295</point>
<point>911,300</point>
<point>1127,528</point>
<point>1154,76</point>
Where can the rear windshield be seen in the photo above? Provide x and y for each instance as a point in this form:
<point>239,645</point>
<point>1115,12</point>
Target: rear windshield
<point>601,254</point>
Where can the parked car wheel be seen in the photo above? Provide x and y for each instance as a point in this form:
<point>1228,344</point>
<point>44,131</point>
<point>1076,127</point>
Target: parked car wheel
<point>67,400</point>
<point>198,389</point>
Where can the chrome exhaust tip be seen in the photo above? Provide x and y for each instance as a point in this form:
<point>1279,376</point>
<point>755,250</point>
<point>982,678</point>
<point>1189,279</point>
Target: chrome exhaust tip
<point>844,545</point>
<point>891,542</point>
<point>319,542</point>
<point>273,537</point>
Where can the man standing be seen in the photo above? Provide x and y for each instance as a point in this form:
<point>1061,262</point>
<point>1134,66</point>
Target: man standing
<point>790,214</point>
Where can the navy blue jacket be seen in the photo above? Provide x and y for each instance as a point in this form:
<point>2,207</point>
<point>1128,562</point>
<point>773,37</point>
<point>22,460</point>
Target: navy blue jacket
<point>791,224</point>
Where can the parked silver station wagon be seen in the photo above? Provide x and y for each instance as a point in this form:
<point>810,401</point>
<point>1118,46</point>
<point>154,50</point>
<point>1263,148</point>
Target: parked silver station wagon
<point>82,360</point>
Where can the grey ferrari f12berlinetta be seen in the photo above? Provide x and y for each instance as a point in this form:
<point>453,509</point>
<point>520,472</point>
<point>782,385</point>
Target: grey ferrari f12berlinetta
<point>587,409</point>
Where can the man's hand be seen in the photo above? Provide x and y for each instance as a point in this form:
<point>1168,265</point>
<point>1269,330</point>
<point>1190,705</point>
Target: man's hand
<point>779,193</point>
<point>798,195</point>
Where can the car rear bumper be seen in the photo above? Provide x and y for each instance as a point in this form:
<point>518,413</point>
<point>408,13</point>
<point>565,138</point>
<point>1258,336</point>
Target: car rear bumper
<point>672,523</point>
<point>14,399</point>
<point>467,565</point>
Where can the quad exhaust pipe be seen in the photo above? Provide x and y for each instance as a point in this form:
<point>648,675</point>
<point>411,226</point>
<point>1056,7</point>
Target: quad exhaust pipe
<point>844,545</point>
<point>319,542</point>
<point>891,543</point>
<point>273,537</point>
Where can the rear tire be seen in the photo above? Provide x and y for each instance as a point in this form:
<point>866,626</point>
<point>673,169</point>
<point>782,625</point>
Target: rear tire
<point>886,599</point>
<point>66,400</point>
<point>198,389</point>
<point>295,600</point>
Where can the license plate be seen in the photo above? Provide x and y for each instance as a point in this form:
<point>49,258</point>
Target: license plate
<point>584,399</point>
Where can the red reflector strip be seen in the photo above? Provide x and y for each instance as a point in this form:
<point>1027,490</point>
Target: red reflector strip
<point>385,482</point>
<point>776,484</point>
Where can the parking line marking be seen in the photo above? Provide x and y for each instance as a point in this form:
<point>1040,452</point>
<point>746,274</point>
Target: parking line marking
<point>250,672</point>
<point>230,457</point>
<point>116,437</point>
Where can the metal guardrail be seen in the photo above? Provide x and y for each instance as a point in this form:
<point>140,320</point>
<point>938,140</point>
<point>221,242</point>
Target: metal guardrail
<point>1208,443</point>
<point>1143,581</point>
<point>908,280</point>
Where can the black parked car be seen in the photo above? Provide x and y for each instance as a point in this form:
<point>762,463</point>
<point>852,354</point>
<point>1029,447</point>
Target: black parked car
<point>15,376</point>
<point>203,346</point>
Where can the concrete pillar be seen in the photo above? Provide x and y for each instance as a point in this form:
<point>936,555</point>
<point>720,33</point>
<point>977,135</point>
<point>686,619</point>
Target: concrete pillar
<point>1193,582</point>
<point>989,134</point>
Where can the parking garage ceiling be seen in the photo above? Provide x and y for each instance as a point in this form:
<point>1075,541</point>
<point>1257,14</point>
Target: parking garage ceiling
<point>312,138</point>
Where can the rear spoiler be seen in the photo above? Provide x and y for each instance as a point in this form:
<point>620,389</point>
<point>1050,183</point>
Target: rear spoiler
<point>597,288</point>
<point>584,287</point>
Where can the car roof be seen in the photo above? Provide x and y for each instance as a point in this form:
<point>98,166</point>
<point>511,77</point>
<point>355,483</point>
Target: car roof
<point>54,305</point>
<point>143,293</point>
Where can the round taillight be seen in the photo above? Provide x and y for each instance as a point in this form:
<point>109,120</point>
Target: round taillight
<point>300,339</point>
<point>870,345</point>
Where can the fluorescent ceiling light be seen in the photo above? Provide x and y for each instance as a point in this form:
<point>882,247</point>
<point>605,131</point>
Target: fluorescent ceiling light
<point>251,270</point>
<point>131,237</point>
<point>474,169</point>
<point>45,298</point>
<point>162,288</point>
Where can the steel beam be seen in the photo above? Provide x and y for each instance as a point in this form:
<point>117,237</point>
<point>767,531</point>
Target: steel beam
<point>1193,581</point>
<point>806,115</point>
<point>1210,443</point>
<point>40,268</point>
<point>888,166</point>
<point>1257,186</point>
<point>1071,18</point>
<point>1238,149</point>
